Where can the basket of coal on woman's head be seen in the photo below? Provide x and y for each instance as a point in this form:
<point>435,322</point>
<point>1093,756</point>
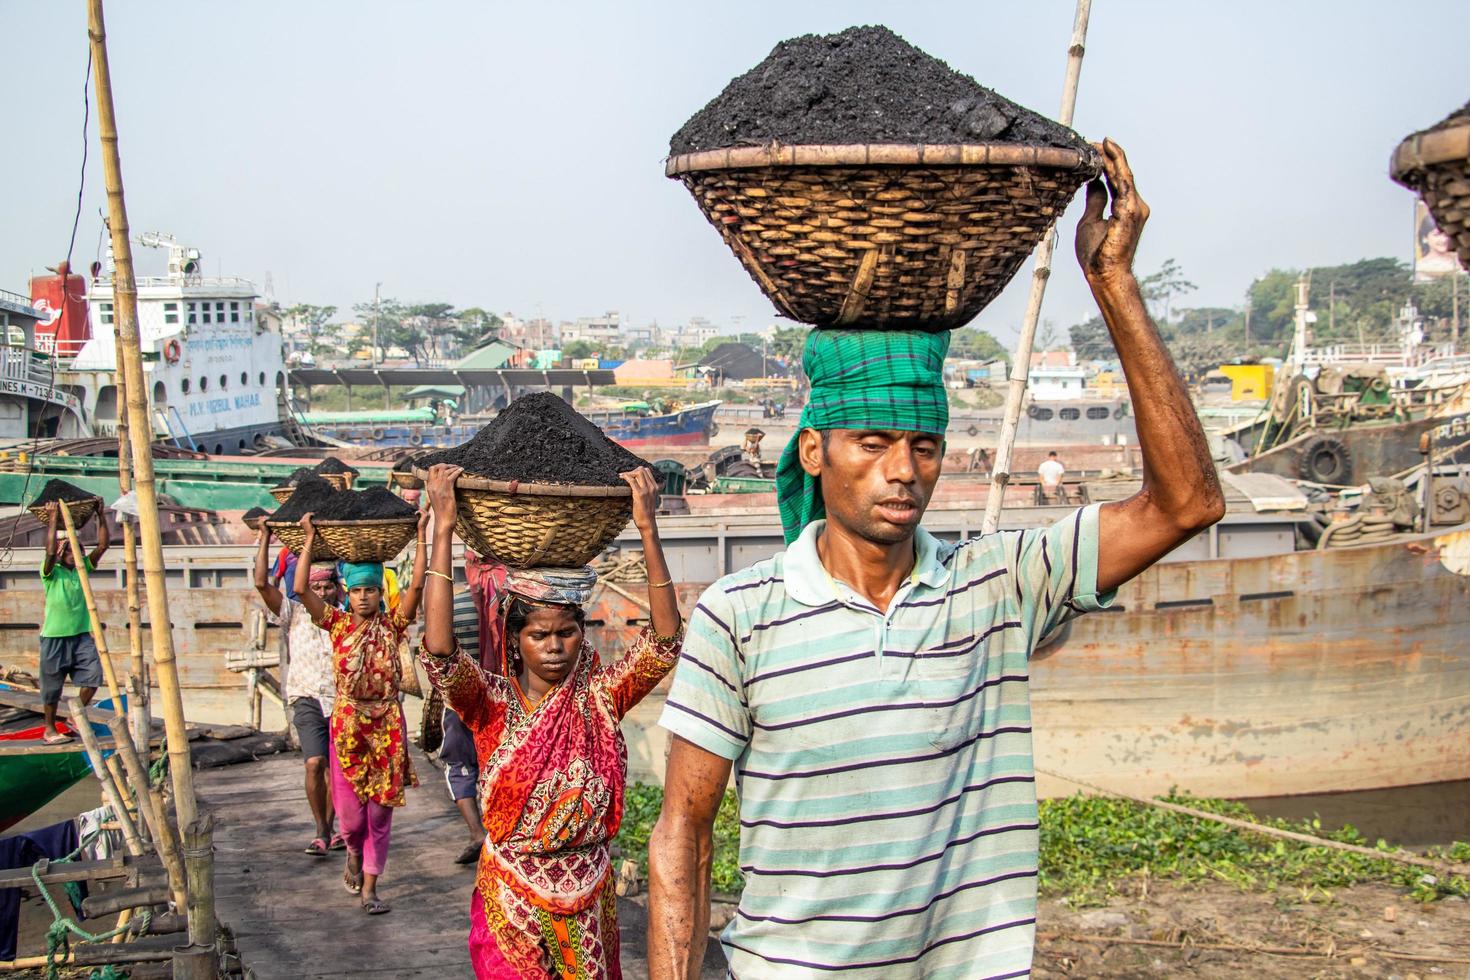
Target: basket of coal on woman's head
<point>523,525</point>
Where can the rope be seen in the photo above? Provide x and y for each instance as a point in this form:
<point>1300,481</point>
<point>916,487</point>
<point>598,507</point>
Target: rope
<point>1443,867</point>
<point>58,946</point>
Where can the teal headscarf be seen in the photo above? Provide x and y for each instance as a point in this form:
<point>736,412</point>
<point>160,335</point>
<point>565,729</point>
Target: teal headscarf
<point>358,573</point>
<point>861,379</point>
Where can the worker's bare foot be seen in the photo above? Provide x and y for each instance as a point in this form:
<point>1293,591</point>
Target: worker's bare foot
<point>470,854</point>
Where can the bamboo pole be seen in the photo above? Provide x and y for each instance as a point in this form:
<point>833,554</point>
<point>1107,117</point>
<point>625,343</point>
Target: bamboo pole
<point>131,841</point>
<point>1000,474</point>
<point>155,815</point>
<point>137,666</point>
<point>129,355</point>
<point>119,705</point>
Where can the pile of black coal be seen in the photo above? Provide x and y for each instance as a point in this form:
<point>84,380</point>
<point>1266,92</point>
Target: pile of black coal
<point>405,465</point>
<point>61,490</point>
<point>311,493</point>
<point>333,465</point>
<point>540,439</point>
<point>864,85</point>
<point>372,504</point>
<point>254,513</point>
<point>297,475</point>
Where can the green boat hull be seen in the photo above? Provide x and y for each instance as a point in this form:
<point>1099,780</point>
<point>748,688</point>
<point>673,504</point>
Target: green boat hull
<point>29,782</point>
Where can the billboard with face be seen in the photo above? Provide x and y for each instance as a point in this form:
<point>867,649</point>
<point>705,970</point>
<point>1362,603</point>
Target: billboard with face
<point>1434,251</point>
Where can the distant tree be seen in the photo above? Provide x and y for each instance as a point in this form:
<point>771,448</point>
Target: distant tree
<point>788,343</point>
<point>974,344</point>
<point>579,349</point>
<point>316,320</point>
<point>1091,340</point>
<point>475,327</point>
<point>1164,285</point>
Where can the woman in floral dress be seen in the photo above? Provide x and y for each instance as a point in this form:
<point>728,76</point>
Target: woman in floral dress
<point>369,757</point>
<point>553,762</point>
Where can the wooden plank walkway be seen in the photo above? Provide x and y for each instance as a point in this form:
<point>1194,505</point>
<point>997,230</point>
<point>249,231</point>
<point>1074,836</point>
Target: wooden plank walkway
<point>291,917</point>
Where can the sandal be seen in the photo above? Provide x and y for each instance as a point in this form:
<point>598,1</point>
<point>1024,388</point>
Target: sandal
<point>317,848</point>
<point>337,843</point>
<point>353,883</point>
<point>56,738</point>
<point>376,906</point>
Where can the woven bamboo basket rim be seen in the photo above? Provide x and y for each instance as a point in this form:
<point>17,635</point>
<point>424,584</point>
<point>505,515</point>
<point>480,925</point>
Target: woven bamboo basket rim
<point>882,154</point>
<point>87,506</point>
<point>368,522</point>
<point>1426,149</point>
<point>466,482</point>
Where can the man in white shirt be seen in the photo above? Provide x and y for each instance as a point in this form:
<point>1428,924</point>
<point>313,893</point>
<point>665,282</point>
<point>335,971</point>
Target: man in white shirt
<point>309,685</point>
<point>1051,472</point>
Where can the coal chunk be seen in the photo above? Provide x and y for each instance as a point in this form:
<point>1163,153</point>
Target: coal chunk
<point>255,512</point>
<point>372,504</point>
<point>540,439</point>
<point>311,494</point>
<point>864,85</point>
<point>61,490</point>
<point>334,465</point>
<point>297,475</point>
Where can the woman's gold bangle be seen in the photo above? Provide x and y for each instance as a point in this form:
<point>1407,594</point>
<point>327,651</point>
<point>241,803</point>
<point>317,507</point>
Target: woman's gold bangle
<point>447,578</point>
<point>660,585</point>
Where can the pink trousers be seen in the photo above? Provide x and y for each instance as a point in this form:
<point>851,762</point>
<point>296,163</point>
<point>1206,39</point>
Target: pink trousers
<point>365,826</point>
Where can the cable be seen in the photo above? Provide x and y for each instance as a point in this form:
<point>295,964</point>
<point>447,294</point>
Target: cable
<point>7,552</point>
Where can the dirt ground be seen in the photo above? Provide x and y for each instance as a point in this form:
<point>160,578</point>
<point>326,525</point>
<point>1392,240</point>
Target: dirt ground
<point>1363,931</point>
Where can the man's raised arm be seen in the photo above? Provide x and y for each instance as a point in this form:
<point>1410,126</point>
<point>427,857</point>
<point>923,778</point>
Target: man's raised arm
<point>1181,491</point>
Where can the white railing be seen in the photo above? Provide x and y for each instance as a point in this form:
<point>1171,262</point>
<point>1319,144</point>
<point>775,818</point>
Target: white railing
<point>46,343</point>
<point>15,299</point>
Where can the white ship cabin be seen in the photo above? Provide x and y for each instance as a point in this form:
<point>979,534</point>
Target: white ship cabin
<point>213,367</point>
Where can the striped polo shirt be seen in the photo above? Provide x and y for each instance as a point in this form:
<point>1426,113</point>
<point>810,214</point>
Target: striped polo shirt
<point>883,762</point>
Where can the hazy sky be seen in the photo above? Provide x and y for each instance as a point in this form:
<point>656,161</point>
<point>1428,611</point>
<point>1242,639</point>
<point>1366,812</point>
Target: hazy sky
<point>510,155</point>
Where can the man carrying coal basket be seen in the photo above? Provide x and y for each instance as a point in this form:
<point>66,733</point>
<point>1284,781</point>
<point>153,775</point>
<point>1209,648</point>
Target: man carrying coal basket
<point>870,684</point>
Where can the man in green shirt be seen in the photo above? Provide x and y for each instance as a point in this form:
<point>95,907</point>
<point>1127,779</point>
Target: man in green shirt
<point>67,649</point>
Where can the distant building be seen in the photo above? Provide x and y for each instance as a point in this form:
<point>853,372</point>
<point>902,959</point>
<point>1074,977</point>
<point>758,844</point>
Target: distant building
<point>1057,383</point>
<point>696,333</point>
<point>605,330</point>
<point>647,335</point>
<point>538,334</point>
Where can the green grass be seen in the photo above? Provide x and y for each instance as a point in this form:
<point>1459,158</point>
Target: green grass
<point>1091,846</point>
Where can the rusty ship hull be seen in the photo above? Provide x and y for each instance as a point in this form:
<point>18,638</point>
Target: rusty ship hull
<point>1238,668</point>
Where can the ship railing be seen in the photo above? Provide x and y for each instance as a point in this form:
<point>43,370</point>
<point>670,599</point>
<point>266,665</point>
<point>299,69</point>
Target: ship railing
<point>1356,353</point>
<point>16,299</point>
<point>47,343</point>
<point>25,364</point>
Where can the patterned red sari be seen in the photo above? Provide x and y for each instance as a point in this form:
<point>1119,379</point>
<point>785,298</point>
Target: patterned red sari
<point>367,724</point>
<point>551,794</point>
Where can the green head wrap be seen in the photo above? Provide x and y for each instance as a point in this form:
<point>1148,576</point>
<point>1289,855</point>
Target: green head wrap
<point>355,573</point>
<point>862,379</point>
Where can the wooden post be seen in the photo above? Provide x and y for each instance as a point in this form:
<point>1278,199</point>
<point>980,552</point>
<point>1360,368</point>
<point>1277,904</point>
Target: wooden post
<point>1000,474</point>
<point>199,864</point>
<point>131,840</point>
<point>119,706</point>
<point>130,357</point>
<point>120,780</point>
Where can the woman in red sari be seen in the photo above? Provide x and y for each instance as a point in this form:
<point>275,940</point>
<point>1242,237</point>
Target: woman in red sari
<point>369,758</point>
<point>553,762</point>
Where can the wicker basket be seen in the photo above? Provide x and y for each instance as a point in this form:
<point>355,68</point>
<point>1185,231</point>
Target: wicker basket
<point>378,540</point>
<point>883,236</point>
<point>338,480</point>
<point>525,525</point>
<point>407,481</point>
<point>289,533</point>
<point>1436,164</point>
<point>282,494</point>
<point>81,512</point>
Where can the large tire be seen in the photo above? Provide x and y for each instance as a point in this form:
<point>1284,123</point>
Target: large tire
<point>1033,410</point>
<point>1326,460</point>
